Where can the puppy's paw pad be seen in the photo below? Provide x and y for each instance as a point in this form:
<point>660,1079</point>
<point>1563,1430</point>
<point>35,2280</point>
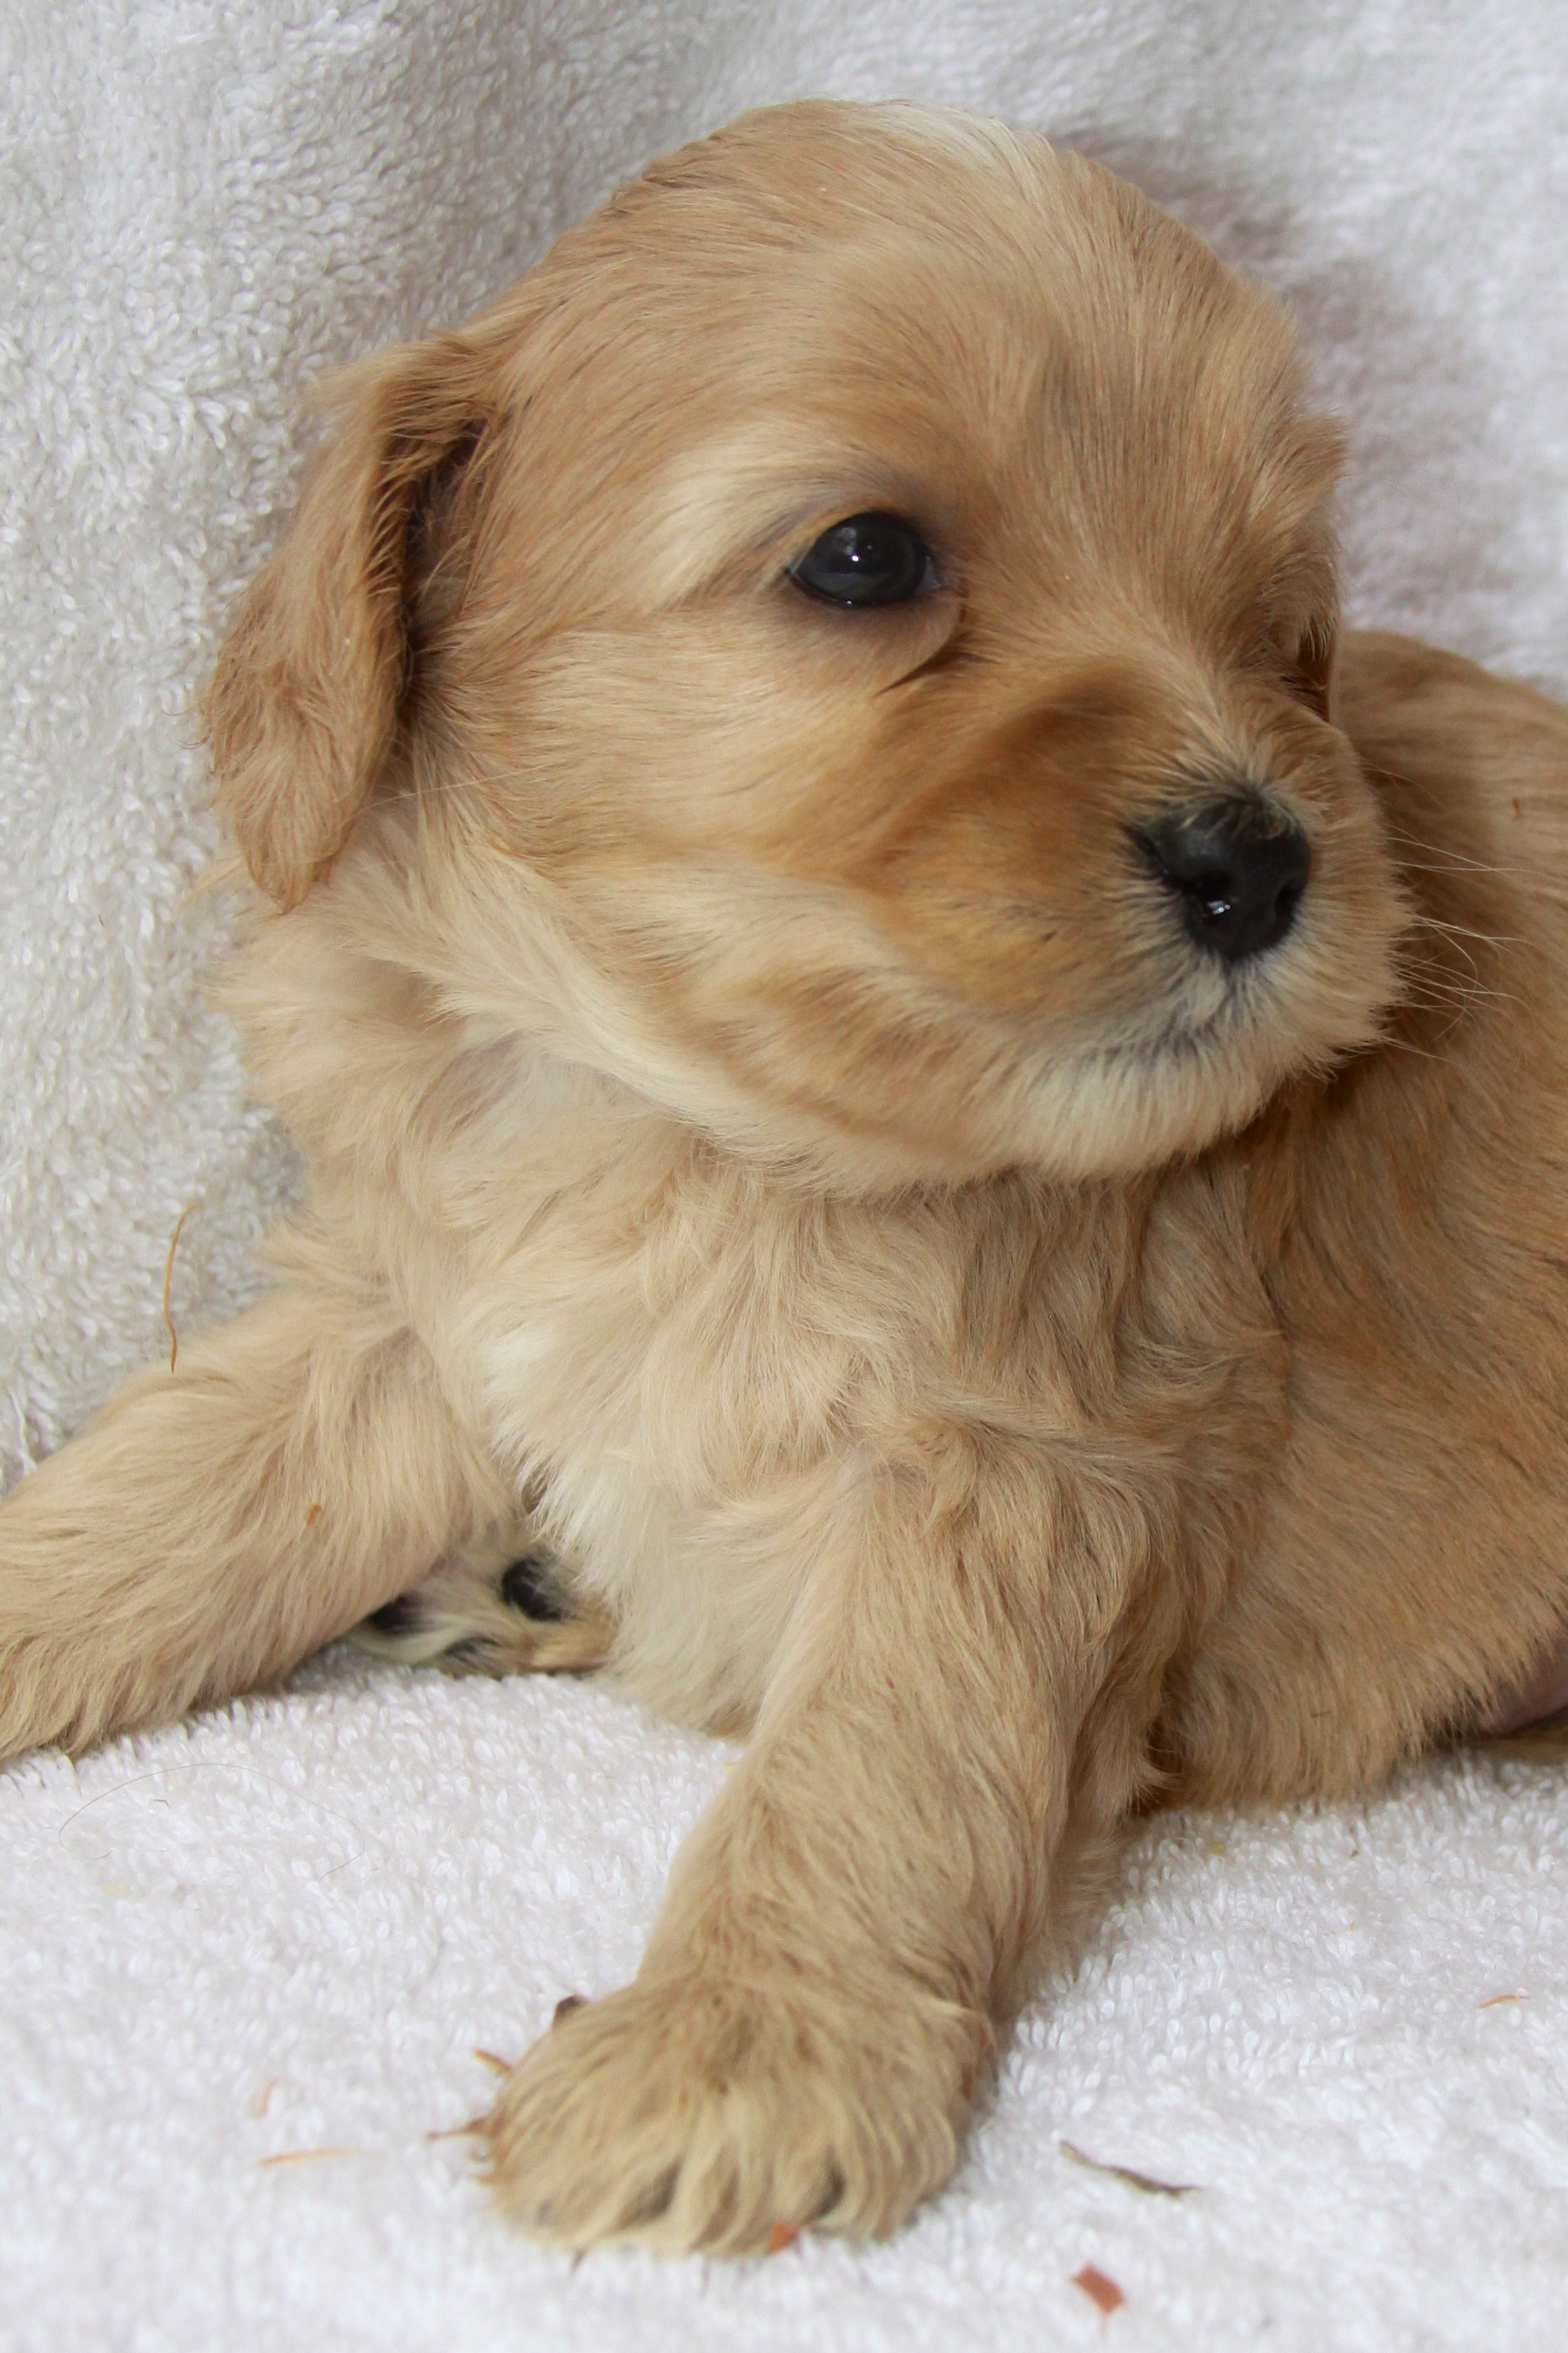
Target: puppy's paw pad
<point>530,1585</point>
<point>488,1617</point>
<point>397,1620</point>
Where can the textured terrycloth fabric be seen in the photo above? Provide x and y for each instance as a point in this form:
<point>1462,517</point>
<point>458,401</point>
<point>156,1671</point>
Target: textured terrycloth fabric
<point>247,1970</point>
<point>202,207</point>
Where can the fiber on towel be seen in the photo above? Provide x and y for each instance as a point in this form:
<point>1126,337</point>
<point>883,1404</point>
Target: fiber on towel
<point>347,1887</point>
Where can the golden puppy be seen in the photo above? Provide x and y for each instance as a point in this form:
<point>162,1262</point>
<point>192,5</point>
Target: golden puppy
<point>959,1138</point>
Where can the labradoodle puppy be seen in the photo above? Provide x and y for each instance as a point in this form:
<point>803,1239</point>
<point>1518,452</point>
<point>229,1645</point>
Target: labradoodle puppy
<point>937,1121</point>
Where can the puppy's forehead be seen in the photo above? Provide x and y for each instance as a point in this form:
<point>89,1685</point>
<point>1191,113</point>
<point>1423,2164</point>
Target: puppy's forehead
<point>966,286</point>
<point>927,313</point>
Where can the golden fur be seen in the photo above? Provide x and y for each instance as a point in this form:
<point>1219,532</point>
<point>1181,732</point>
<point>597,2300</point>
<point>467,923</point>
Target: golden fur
<point>769,1139</point>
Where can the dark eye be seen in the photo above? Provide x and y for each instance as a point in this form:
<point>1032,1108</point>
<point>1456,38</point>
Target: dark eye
<point>867,559</point>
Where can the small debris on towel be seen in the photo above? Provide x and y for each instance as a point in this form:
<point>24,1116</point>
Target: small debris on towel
<point>1098,2289</point>
<point>1135,2181</point>
<point>168,1279</point>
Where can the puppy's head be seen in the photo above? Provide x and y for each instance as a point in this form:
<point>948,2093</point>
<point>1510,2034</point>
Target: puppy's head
<point>846,648</point>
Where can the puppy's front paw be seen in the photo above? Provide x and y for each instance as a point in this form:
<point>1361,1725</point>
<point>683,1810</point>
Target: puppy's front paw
<point>688,2114</point>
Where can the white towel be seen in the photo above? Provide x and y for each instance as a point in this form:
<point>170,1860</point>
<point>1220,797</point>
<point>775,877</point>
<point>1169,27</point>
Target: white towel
<point>340,1893</point>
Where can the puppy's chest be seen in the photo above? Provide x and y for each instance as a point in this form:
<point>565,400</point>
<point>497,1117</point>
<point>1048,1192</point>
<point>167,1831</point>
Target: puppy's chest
<point>705,1341</point>
<point>661,1354</point>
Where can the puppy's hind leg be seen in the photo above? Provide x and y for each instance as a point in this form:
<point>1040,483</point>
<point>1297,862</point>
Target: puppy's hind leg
<point>502,1607</point>
<point>220,1520</point>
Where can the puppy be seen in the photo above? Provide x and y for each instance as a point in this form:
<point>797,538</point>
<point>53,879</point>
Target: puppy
<point>956,1133</point>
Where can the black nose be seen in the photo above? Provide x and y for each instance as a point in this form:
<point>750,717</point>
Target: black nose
<point>1237,868</point>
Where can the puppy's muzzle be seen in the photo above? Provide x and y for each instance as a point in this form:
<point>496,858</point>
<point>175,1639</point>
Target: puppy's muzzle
<point>1237,869</point>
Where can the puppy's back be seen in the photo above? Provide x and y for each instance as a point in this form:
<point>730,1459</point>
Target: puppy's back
<point>1474,766</point>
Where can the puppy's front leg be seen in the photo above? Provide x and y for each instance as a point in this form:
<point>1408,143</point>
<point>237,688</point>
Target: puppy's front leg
<point>816,2005</point>
<point>217,1522</point>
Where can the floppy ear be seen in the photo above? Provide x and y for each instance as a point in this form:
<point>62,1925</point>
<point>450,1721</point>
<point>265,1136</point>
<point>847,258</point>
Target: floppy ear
<point>302,708</point>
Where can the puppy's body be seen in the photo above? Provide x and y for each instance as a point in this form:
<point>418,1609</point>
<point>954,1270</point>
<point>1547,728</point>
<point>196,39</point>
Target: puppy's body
<point>768,1130</point>
<point>1313,1378</point>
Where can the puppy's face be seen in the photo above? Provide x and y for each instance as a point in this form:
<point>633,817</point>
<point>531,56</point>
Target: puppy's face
<point>871,649</point>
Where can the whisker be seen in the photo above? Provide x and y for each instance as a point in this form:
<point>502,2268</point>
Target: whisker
<point>1407,1046</point>
<point>1449,861</point>
<point>1469,932</point>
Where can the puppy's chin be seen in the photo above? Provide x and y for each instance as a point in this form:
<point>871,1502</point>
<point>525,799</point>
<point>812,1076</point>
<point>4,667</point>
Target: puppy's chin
<point>1123,1108</point>
<point>1104,1111</point>
<point>1166,1086</point>
<point>796,1037</point>
<point>1182,1074</point>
